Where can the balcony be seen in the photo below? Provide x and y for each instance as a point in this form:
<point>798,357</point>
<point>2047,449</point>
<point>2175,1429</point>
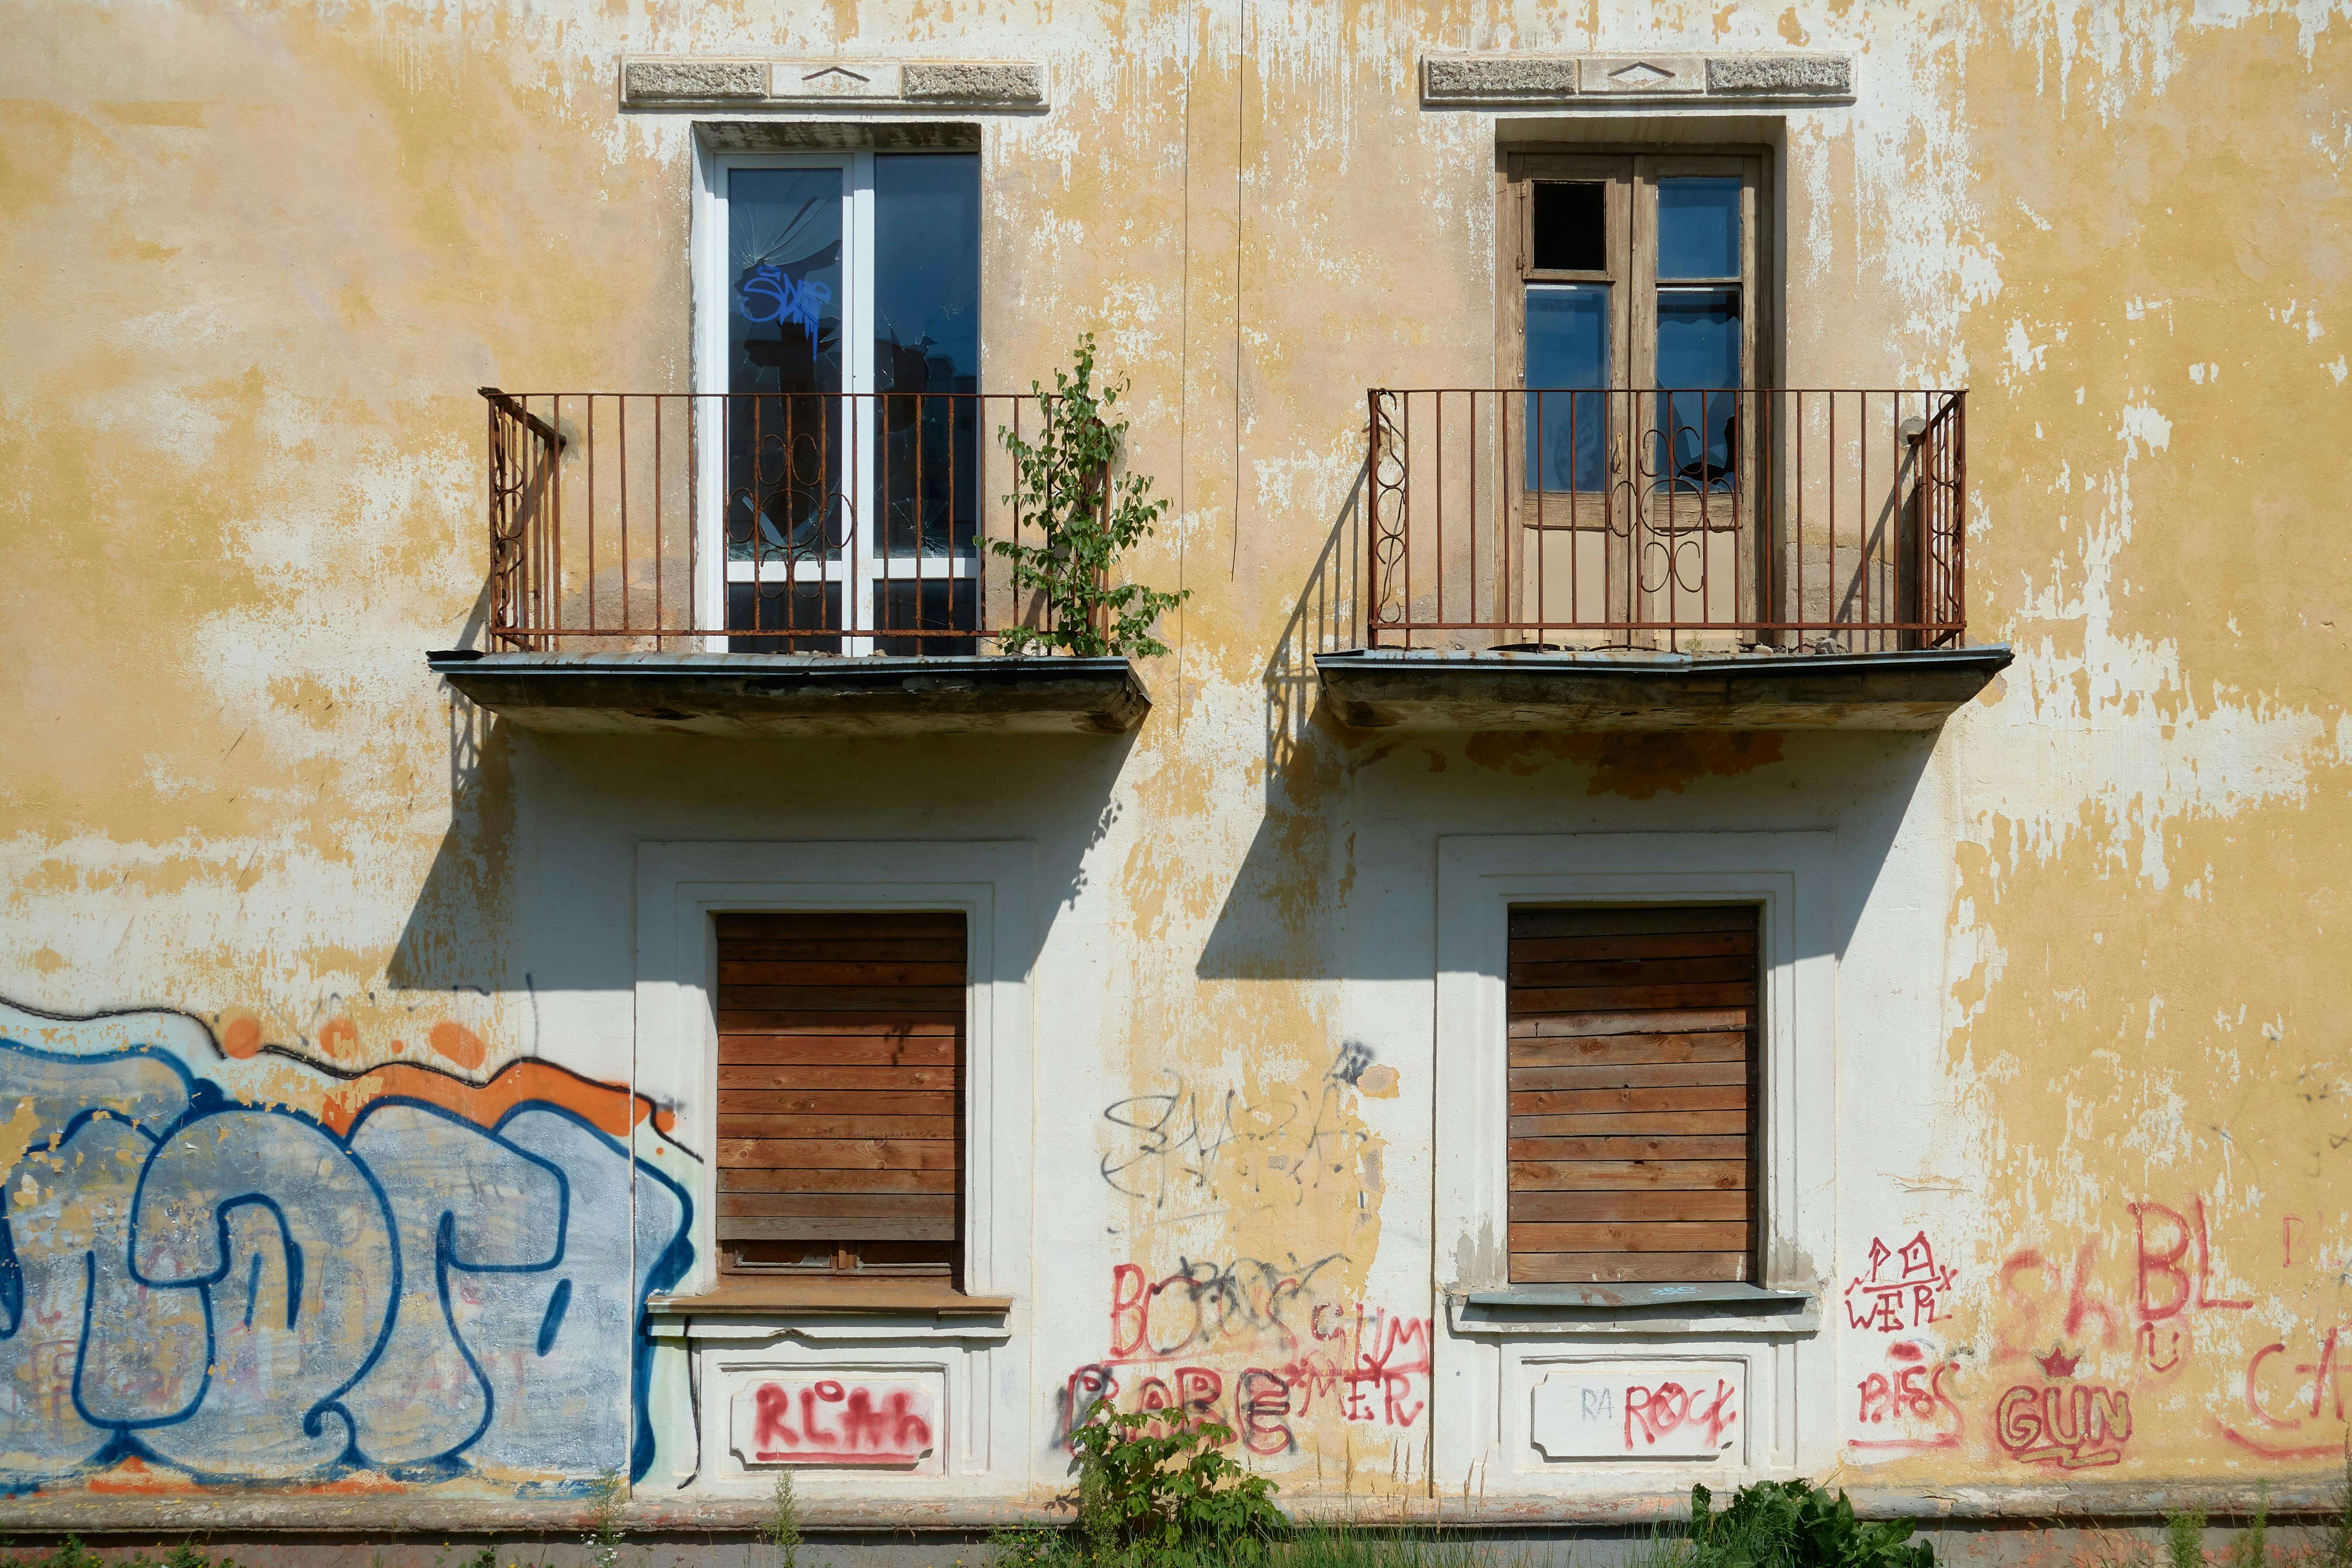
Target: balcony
<point>751,564</point>
<point>1661,558</point>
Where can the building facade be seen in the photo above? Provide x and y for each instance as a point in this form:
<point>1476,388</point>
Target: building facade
<point>1730,864</point>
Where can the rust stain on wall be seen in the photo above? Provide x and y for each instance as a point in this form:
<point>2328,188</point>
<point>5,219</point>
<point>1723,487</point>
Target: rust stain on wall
<point>1637,767</point>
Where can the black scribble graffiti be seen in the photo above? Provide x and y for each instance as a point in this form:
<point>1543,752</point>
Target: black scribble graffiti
<point>1178,1149</point>
<point>1204,1304</point>
<point>1353,1058</point>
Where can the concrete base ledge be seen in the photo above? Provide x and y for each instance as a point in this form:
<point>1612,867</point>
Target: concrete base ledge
<point>751,694</point>
<point>1379,688</point>
<point>426,1512</point>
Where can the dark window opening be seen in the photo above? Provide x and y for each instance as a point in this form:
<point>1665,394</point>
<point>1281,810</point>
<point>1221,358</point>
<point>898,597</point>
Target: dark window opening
<point>1570,226</point>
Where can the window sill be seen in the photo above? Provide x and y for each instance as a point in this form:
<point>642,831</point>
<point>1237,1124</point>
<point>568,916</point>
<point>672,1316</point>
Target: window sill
<point>1687,1311</point>
<point>740,1307</point>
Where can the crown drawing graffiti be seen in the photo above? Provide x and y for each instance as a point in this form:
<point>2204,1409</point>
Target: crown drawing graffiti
<point>2058,1363</point>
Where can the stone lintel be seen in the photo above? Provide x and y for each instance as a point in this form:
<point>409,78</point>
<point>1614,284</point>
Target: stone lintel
<point>1477,78</point>
<point>976,83</point>
<point>1782,76</point>
<point>793,84</point>
<point>692,81</point>
<point>1521,81</point>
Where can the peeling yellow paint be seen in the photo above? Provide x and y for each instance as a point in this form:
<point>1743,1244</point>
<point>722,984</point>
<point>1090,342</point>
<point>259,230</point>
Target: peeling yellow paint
<point>240,491</point>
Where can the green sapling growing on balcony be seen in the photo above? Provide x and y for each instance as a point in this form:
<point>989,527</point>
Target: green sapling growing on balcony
<point>1086,517</point>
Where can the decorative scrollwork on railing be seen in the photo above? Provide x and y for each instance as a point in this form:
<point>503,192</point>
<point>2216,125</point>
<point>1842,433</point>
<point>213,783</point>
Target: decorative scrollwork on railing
<point>787,502</point>
<point>1940,486</point>
<point>524,453</point>
<point>1700,496</point>
<point>1387,473</point>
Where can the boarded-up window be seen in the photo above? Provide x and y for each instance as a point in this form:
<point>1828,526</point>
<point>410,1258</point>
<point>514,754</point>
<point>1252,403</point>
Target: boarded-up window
<point>1633,1094</point>
<point>841,1092</point>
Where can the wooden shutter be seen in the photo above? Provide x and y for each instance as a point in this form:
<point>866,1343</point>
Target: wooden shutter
<point>1633,1094</point>
<point>841,1057</point>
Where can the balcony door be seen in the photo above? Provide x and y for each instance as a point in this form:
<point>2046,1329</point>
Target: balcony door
<point>839,470</point>
<point>1630,327</point>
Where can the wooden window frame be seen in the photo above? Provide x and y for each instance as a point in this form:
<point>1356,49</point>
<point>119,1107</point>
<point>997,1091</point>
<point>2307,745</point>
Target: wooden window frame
<point>681,886</point>
<point>846,1263</point>
<point>1629,173</point>
<point>1491,1333</point>
<point>1480,878</point>
<point>1572,1193</point>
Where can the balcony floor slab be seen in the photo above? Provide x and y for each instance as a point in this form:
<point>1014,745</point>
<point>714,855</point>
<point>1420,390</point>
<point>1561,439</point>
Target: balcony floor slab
<point>1383,688</point>
<point>752,694</point>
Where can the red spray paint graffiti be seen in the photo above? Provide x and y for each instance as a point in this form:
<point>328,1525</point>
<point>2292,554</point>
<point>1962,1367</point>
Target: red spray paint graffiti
<point>1361,1363</point>
<point>831,1423</point>
<point>2073,1425</point>
<point>1654,1413</point>
<point>1903,1290</point>
<point>1909,1396</point>
<point>2175,1278</point>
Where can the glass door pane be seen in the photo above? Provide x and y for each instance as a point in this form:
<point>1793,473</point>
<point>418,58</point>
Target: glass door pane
<point>926,347</point>
<point>1698,331</point>
<point>1688,557</point>
<point>1698,226</point>
<point>1699,353</point>
<point>926,377</point>
<point>1567,352</point>
<point>787,431</point>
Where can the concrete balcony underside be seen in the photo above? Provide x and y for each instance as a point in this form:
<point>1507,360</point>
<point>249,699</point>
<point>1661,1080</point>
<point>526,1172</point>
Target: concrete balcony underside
<point>1376,688</point>
<point>752,694</point>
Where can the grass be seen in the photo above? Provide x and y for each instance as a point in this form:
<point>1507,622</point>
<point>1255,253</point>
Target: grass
<point>1731,1541</point>
<point>1314,1546</point>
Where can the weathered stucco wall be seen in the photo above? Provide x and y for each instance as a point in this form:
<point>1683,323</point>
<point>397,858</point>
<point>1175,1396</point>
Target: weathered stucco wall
<point>372,954</point>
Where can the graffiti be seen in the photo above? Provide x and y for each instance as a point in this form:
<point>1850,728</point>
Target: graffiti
<point>1667,1408</point>
<point>2318,1393</point>
<point>1902,1290</point>
<point>1204,1304</point>
<point>2087,1305</point>
<point>1357,1363</point>
<point>782,299</point>
<point>1599,1410</point>
<point>1909,1396</point>
<point>241,1291</point>
<point>823,1421</point>
<point>2073,1425</point>
<point>1191,1150</point>
<point>2160,1273</point>
<point>2174,1276</point>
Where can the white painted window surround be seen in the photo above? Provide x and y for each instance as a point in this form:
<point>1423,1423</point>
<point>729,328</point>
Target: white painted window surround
<point>978,1368</point>
<point>681,886</point>
<point>1485,1371</point>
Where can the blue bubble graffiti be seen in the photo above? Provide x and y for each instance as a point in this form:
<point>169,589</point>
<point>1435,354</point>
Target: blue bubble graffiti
<point>238,1293</point>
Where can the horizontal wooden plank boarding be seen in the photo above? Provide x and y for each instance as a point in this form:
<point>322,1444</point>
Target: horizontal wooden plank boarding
<point>1632,1078</point>
<point>841,1076</point>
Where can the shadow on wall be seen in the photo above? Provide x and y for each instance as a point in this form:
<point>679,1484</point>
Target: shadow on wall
<point>1269,926</point>
<point>457,936</point>
<point>1279,919</point>
<point>588,800</point>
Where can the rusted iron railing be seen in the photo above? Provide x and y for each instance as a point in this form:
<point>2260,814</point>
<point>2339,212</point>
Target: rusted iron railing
<point>1664,518</point>
<point>818,522</point>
